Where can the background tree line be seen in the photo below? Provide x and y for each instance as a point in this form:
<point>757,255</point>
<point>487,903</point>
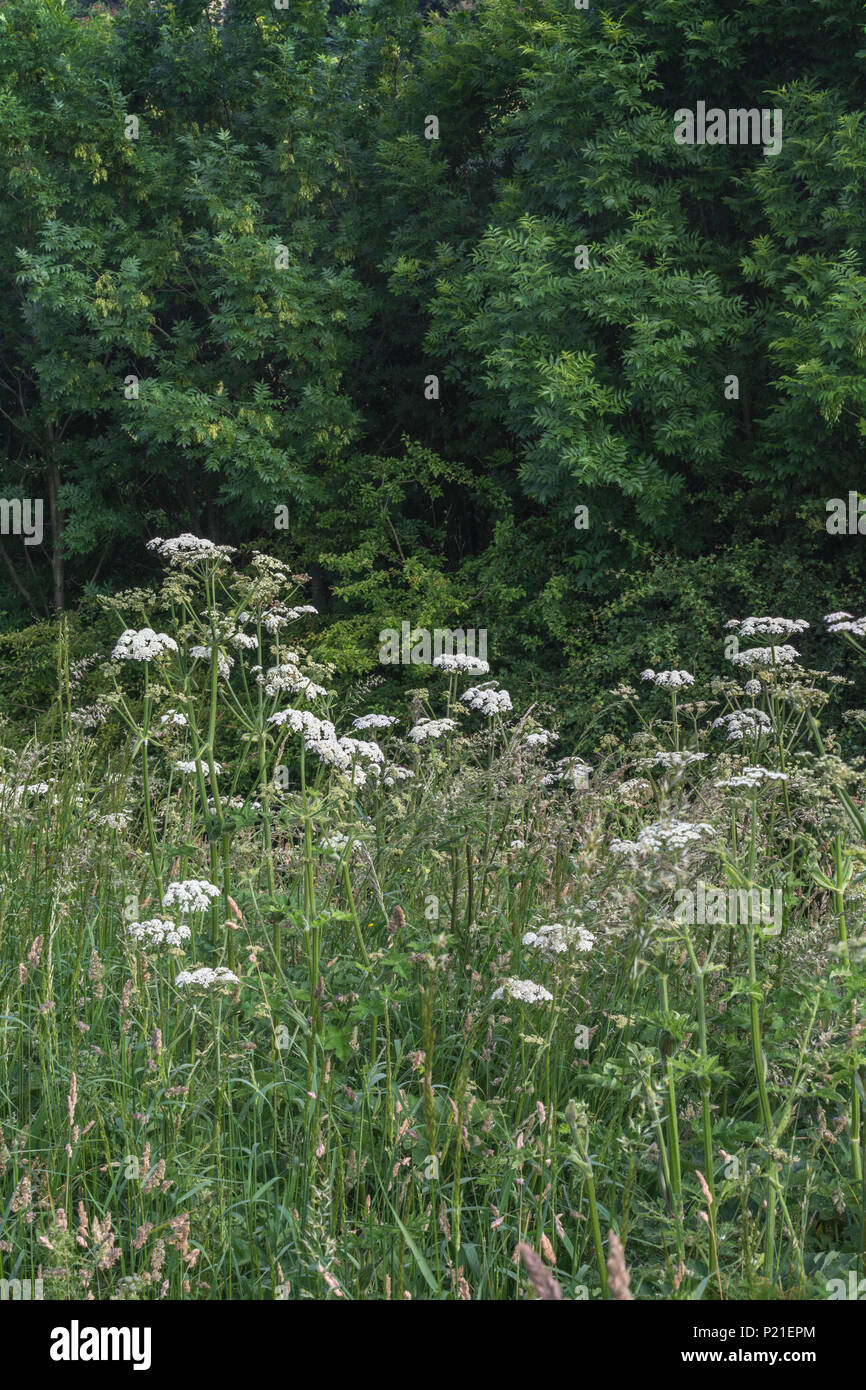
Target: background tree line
<point>238,310</point>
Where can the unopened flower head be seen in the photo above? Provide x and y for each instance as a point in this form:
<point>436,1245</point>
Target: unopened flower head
<point>142,645</point>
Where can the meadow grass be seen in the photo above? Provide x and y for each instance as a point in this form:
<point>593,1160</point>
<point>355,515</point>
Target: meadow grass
<point>424,1006</point>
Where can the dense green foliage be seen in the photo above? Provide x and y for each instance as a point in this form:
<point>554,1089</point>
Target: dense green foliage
<point>281,259</point>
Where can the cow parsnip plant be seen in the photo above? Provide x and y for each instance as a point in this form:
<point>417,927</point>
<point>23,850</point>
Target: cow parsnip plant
<point>304,999</point>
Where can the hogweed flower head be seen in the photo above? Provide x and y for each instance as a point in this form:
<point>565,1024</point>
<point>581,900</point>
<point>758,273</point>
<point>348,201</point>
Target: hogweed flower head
<point>541,738</point>
<point>224,661</point>
<point>845,622</point>
<point>556,939</point>
<point>374,721</point>
<point>487,699</point>
<point>765,656</point>
<point>183,765</point>
<point>768,627</point>
<point>142,645</point>
<point>431,728</point>
<point>175,718</point>
<point>744,723</point>
<point>672,680</point>
<point>186,549</point>
<point>663,836</point>
<point>523,991</point>
<point>751,778</point>
<point>158,931</point>
<point>206,977</point>
<point>461,661</point>
<point>190,895</point>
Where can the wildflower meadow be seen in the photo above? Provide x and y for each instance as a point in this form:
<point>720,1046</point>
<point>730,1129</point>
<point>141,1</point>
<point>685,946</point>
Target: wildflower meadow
<point>432,672</point>
<point>304,999</point>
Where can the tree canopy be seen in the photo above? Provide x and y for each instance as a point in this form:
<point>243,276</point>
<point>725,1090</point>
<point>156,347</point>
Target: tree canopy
<point>431,278</point>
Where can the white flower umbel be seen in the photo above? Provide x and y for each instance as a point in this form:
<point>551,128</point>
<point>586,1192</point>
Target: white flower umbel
<point>572,772</point>
<point>175,718</point>
<point>845,622</point>
<point>301,721</point>
<point>672,680</point>
<point>768,627</point>
<point>487,699</point>
<point>744,724</point>
<point>674,762</point>
<point>752,777</point>
<point>541,738</point>
<point>395,773</point>
<point>224,661</point>
<point>206,977</point>
<point>305,610</point>
<point>187,549</point>
<point>460,661</point>
<point>524,991</point>
<point>191,895</point>
<point>158,931</point>
<point>665,836</point>
<point>374,721</point>
<point>329,749</point>
<point>431,728</point>
<point>143,645</point>
<point>25,789</point>
<point>334,844</point>
<point>289,677</point>
<point>556,939</point>
<point>365,749</point>
<point>183,765</point>
<point>765,656</point>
